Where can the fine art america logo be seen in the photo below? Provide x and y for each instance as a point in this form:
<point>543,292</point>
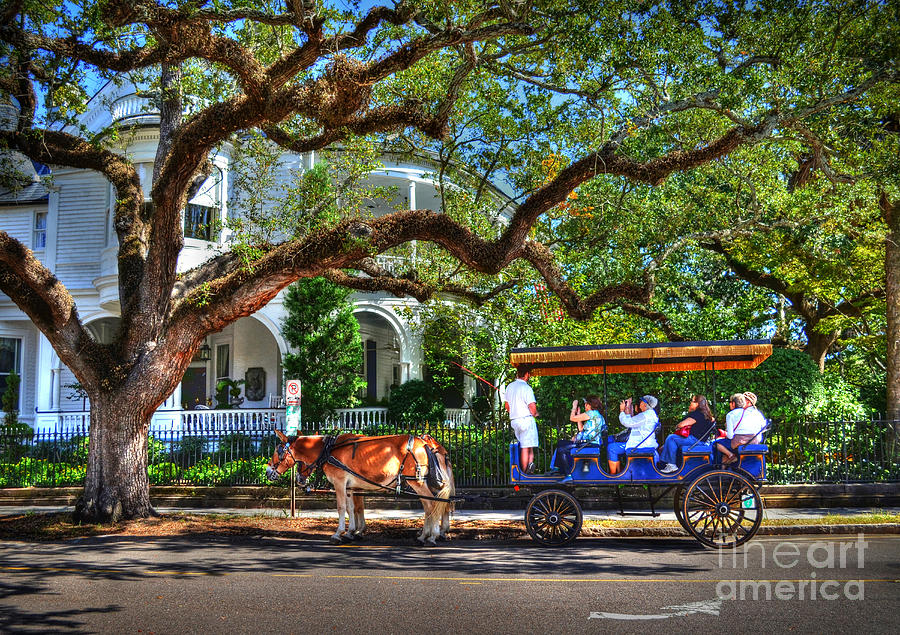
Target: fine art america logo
<point>829,560</point>
<point>826,558</point>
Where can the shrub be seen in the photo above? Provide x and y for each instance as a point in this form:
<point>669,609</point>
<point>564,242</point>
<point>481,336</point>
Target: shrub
<point>74,450</point>
<point>244,472</point>
<point>189,450</point>
<point>163,473</point>
<point>415,402</point>
<point>68,475</point>
<point>204,472</point>
<point>10,399</point>
<point>157,450</point>
<point>236,446</point>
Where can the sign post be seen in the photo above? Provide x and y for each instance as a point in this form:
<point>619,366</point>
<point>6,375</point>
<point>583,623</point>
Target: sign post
<point>292,428</point>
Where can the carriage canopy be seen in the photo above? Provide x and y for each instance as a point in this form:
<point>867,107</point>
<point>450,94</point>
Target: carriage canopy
<point>642,358</point>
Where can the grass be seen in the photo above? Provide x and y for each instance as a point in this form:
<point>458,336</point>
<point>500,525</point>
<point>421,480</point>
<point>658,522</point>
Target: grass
<point>31,527</point>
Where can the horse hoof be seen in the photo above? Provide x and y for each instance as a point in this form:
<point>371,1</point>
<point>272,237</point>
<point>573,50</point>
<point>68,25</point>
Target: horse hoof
<point>429,543</point>
<point>335,540</point>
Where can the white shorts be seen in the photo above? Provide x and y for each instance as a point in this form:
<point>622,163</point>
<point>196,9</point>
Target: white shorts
<point>526,431</point>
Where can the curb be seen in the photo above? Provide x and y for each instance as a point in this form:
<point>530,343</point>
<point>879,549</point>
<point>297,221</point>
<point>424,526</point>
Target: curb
<point>771,530</point>
<point>248,496</point>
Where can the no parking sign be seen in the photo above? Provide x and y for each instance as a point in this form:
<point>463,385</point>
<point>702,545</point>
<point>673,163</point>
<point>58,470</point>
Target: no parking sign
<point>292,392</point>
<point>292,401</point>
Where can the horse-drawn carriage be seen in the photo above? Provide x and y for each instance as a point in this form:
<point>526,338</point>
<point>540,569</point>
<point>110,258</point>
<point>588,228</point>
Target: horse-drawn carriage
<point>718,505</point>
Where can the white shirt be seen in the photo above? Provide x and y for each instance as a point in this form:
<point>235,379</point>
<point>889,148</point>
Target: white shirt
<point>518,395</point>
<point>642,427</point>
<point>744,421</point>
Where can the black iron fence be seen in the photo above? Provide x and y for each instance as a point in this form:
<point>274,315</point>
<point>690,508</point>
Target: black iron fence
<point>822,451</point>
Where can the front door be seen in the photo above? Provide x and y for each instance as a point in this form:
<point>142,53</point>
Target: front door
<point>193,387</point>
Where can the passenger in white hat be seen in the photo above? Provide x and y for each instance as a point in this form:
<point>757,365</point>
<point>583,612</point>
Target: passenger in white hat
<point>643,429</point>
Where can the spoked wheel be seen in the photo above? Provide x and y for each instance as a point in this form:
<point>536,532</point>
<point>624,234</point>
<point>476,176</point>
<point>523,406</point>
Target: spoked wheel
<point>553,518</point>
<point>722,509</point>
<point>679,507</point>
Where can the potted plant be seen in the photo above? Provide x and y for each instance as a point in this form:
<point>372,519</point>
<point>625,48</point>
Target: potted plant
<point>228,393</point>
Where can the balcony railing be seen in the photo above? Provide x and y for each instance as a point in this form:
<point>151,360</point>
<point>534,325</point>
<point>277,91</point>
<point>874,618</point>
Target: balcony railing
<point>393,264</point>
<point>358,418</point>
<point>133,106</point>
<point>213,421</point>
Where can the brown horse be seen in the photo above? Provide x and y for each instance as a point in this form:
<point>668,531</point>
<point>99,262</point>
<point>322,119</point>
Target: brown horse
<point>372,464</point>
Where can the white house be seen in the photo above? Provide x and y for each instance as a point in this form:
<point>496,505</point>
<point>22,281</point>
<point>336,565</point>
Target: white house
<point>67,222</point>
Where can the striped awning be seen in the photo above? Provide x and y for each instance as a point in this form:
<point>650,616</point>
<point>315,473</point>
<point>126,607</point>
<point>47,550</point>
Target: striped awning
<point>642,358</point>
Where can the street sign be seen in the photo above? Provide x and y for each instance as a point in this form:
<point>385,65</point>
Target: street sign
<point>292,391</point>
<point>292,402</point>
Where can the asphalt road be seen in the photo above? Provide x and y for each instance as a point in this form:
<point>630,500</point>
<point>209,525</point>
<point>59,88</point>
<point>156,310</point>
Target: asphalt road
<point>120,584</point>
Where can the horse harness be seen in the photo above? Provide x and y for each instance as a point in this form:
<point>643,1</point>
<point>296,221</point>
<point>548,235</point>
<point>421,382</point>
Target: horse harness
<point>431,473</point>
<point>327,446</point>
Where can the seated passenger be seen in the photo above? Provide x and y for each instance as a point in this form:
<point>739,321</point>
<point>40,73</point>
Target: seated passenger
<point>743,425</point>
<point>643,430</point>
<point>695,428</point>
<point>591,431</point>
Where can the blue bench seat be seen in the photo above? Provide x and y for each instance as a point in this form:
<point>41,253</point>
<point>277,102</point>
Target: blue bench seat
<point>752,448</point>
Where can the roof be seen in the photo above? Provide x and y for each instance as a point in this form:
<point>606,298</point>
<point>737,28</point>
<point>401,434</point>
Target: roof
<point>642,358</point>
<point>28,195</point>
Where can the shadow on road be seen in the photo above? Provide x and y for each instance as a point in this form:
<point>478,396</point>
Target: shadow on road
<point>134,557</point>
<point>14,619</point>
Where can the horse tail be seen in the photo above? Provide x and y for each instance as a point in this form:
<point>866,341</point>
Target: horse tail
<point>449,469</point>
<point>440,507</point>
<point>448,489</point>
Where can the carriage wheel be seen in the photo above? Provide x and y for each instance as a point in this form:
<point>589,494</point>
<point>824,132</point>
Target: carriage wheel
<point>678,500</point>
<point>722,509</point>
<point>553,518</point>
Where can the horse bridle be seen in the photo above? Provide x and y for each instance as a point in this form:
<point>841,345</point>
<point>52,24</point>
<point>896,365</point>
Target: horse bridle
<point>304,469</point>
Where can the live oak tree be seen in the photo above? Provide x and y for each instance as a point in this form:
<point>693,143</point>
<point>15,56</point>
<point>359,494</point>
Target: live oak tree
<point>624,90</point>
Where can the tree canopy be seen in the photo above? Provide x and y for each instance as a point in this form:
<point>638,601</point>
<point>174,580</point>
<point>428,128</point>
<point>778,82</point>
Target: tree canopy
<point>564,104</point>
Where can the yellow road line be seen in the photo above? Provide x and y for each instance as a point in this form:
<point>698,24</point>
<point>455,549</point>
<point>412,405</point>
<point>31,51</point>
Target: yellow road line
<point>291,575</point>
<point>579,580</point>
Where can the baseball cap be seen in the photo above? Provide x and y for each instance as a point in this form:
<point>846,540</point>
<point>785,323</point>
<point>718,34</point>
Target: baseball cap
<point>650,400</point>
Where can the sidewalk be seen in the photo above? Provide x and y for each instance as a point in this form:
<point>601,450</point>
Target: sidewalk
<point>463,515</point>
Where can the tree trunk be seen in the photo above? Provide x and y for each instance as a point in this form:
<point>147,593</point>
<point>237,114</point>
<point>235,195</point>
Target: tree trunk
<point>116,486</point>
<point>818,344</point>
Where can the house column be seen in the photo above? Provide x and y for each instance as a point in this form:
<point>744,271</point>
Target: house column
<point>45,391</point>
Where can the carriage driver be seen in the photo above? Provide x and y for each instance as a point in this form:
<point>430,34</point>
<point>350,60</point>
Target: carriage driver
<point>522,408</point>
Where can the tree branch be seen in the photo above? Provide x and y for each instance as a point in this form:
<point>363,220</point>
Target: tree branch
<point>660,319</point>
<point>52,147</point>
